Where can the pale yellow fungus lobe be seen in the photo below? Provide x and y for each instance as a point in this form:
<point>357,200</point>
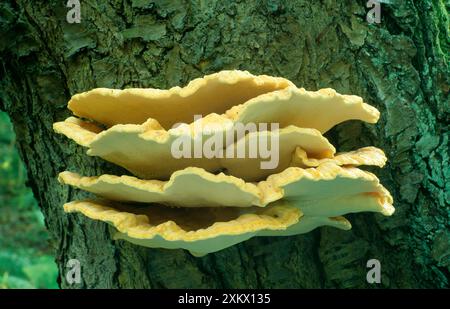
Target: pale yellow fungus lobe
<point>141,148</point>
<point>213,93</point>
<point>82,132</point>
<point>286,140</point>
<point>320,110</point>
<point>200,231</point>
<point>309,189</point>
<point>139,143</point>
<point>363,156</point>
<point>240,96</point>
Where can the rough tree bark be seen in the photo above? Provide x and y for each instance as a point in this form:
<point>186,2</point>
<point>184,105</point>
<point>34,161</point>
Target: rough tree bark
<point>400,66</point>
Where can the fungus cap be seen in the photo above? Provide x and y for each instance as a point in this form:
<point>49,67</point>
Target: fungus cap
<point>214,93</point>
<point>141,148</point>
<point>347,189</point>
<point>362,156</point>
<point>239,95</point>
<point>199,231</point>
<point>202,211</point>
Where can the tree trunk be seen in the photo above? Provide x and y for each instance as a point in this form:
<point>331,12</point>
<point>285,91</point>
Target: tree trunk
<point>399,65</point>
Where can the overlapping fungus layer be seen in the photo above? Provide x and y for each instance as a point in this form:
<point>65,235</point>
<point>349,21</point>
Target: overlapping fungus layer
<point>208,203</point>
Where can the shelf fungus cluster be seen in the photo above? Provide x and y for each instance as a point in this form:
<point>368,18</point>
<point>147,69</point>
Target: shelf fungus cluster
<point>202,185</point>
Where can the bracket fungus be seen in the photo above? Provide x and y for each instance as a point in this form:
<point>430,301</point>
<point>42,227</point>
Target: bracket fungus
<point>194,187</point>
<point>203,185</point>
<point>201,231</point>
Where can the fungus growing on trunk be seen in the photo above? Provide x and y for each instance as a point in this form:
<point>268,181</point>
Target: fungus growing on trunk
<point>214,93</point>
<point>194,187</point>
<point>201,231</point>
<point>209,199</point>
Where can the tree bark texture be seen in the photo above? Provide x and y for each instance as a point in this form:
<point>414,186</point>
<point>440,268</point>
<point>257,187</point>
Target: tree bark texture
<point>399,65</point>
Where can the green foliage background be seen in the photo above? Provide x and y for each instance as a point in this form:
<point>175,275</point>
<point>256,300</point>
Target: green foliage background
<point>26,260</point>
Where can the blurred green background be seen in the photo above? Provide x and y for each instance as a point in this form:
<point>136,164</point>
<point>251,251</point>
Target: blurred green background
<point>26,259</point>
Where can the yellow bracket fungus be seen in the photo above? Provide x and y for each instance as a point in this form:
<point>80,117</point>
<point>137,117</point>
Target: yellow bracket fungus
<point>202,202</point>
<point>141,148</point>
<point>363,156</point>
<point>239,95</point>
<point>201,231</point>
<point>214,93</point>
<point>194,187</point>
<point>302,108</point>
